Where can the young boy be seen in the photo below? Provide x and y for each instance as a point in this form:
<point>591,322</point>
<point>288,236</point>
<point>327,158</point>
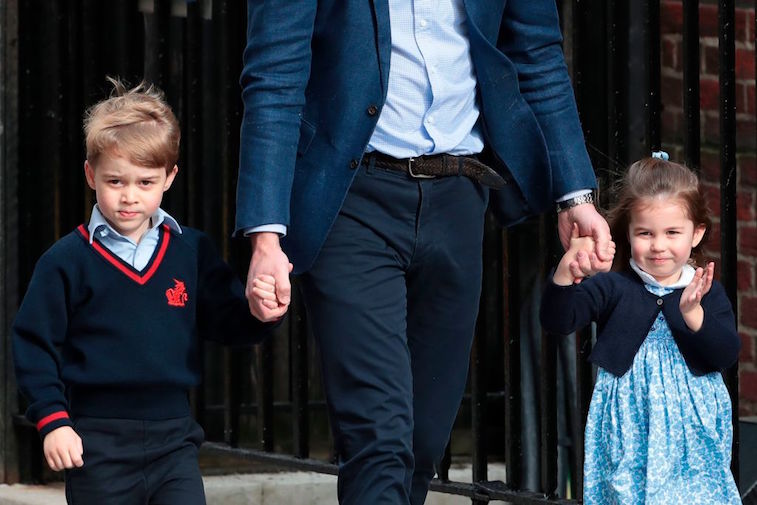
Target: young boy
<point>106,341</point>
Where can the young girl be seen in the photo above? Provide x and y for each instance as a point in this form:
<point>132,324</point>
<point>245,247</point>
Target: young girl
<point>659,426</point>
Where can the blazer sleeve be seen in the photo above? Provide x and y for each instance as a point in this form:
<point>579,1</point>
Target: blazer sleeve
<point>564,309</point>
<point>530,37</point>
<point>223,314</point>
<point>717,344</point>
<point>38,331</point>
<point>276,68</point>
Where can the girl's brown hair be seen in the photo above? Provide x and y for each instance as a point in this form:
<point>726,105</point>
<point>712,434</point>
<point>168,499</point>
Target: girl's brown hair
<point>136,124</point>
<point>646,180</point>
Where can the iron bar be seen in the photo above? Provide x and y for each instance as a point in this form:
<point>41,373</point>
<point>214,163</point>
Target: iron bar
<point>652,103</point>
<point>728,216</point>
<point>691,138</point>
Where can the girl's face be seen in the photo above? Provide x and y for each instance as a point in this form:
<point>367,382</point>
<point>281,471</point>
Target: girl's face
<point>661,237</point>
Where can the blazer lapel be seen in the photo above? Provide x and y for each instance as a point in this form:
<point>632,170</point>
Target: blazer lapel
<point>383,38</point>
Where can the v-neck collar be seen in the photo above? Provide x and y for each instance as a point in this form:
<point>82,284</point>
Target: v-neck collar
<point>139,276</point>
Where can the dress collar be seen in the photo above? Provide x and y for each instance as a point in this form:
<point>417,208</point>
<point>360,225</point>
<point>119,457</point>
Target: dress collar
<point>687,274</point>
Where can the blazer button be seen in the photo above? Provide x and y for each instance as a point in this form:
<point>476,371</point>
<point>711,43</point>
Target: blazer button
<point>372,110</point>
<point>659,301</point>
<point>354,164</point>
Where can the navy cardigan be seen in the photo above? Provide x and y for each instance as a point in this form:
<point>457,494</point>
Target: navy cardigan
<point>624,311</point>
<point>96,337</point>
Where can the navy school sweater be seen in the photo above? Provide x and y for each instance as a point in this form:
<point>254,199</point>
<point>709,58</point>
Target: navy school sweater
<point>95,337</point>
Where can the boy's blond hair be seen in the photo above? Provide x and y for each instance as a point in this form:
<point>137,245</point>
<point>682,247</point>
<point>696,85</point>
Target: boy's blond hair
<point>136,124</point>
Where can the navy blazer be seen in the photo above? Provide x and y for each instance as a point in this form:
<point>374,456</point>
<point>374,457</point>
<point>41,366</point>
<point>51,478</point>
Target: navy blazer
<point>316,70</point>
<point>624,311</point>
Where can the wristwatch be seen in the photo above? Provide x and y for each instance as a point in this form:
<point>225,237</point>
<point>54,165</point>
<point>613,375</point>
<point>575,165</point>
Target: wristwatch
<point>576,200</point>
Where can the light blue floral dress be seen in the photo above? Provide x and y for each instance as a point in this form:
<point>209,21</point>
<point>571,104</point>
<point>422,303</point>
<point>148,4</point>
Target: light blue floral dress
<point>659,434</point>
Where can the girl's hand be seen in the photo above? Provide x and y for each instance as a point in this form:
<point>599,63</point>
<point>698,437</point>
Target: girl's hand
<point>700,285</point>
<point>579,261</point>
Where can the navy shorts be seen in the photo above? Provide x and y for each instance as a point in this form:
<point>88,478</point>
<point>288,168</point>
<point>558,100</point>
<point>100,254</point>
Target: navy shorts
<point>137,462</point>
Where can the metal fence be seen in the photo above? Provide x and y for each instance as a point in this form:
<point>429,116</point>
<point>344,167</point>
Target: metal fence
<point>527,397</point>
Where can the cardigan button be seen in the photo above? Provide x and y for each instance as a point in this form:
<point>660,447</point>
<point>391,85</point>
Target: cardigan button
<point>659,301</point>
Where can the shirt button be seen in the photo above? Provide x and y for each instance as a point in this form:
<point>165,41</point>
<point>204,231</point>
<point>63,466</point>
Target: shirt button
<point>372,110</point>
<point>423,23</point>
<point>659,301</point>
<point>354,164</point>
<point>431,119</point>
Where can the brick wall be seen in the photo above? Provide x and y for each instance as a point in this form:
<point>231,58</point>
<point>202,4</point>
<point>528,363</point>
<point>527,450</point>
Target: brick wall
<point>672,130</point>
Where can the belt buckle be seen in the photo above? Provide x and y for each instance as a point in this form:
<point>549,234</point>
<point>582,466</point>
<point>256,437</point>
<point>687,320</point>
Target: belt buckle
<point>413,174</point>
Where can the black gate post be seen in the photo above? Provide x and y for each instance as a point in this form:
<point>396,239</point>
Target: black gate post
<point>9,471</point>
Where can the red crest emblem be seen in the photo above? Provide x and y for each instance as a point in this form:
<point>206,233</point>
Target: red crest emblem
<point>177,295</point>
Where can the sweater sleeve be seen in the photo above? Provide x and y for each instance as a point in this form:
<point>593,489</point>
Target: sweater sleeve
<point>564,309</point>
<point>223,313</point>
<point>716,345</point>
<point>38,331</point>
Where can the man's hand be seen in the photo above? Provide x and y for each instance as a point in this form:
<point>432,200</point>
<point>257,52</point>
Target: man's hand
<point>590,224</point>
<point>268,289</point>
<point>63,449</point>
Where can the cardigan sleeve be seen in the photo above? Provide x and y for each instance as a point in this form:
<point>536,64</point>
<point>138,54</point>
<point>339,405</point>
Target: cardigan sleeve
<point>38,331</point>
<point>716,345</point>
<point>223,312</point>
<point>564,309</point>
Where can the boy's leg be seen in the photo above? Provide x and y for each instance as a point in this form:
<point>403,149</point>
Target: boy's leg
<point>112,471</point>
<point>172,471</point>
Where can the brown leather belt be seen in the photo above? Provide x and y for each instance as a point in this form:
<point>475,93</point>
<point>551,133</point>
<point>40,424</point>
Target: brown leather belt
<point>438,165</point>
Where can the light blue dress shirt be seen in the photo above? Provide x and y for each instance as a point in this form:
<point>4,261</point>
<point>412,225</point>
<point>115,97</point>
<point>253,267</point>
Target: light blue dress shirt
<point>430,106</point>
<point>135,254</point>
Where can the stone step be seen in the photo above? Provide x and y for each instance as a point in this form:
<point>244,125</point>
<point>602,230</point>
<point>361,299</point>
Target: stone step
<point>296,488</point>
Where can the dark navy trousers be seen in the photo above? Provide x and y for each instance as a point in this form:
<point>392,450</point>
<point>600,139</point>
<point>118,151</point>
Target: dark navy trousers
<point>393,299</point>
<point>135,462</point>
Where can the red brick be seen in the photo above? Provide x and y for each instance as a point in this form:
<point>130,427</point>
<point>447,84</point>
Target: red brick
<point>671,17</point>
<point>745,97</point>
<point>672,128</point>
<point>710,165</point>
<point>745,206</point>
<point>744,276</point>
<point>742,27</point>
<point>712,196</point>
<point>748,311</point>
<point>748,243</point>
<point>710,128</point>
<point>747,349</point>
<point>746,132</point>
<point>709,94</point>
<point>747,165</point>
<point>670,54</point>
<point>708,20</point>
<point>710,61</point>
<point>748,385</point>
<point>671,91</point>
<point>744,64</point>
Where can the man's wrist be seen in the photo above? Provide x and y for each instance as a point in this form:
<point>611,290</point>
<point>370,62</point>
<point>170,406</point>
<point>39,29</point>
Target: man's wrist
<point>574,202</point>
<point>264,239</point>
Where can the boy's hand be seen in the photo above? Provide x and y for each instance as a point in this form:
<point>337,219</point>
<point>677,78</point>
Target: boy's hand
<point>700,285</point>
<point>268,260</point>
<point>63,449</point>
<point>264,288</point>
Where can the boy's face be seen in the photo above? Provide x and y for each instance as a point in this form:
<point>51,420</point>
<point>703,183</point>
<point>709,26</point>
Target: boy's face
<point>127,194</point>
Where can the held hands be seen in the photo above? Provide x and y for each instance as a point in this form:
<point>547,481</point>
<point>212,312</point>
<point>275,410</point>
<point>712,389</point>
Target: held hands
<point>590,224</point>
<point>268,289</point>
<point>700,285</point>
<point>580,260</point>
<point>63,449</point>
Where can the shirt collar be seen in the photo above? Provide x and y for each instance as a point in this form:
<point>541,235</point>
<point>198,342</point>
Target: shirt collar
<point>687,274</point>
<point>97,221</point>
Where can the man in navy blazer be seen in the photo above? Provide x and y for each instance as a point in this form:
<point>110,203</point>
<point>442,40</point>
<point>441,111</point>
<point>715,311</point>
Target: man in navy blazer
<point>363,147</point>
